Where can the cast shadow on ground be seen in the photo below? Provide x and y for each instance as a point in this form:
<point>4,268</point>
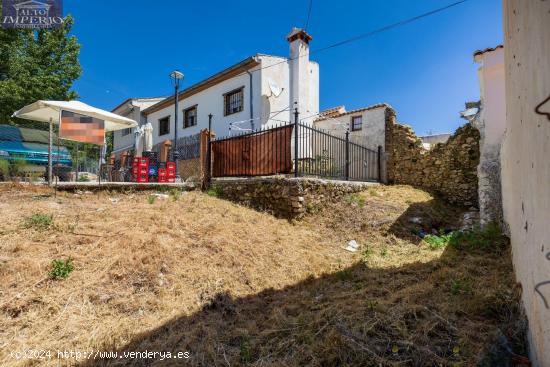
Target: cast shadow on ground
<point>357,316</point>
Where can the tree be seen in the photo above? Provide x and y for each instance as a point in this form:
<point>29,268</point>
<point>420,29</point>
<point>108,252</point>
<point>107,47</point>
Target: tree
<point>36,64</point>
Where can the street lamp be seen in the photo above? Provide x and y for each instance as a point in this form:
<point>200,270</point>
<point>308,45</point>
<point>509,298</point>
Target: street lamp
<point>176,77</point>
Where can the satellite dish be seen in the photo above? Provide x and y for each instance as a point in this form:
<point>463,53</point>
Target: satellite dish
<point>275,89</point>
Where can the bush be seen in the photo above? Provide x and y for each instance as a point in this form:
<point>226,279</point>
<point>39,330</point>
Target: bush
<point>489,238</point>
<point>83,178</point>
<point>38,221</point>
<point>60,269</point>
<point>355,199</point>
<point>175,194</point>
<point>436,242</point>
<point>215,190</point>
<point>4,170</point>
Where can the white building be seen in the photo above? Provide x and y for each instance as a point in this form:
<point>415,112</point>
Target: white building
<point>132,108</point>
<point>367,126</point>
<point>258,92</point>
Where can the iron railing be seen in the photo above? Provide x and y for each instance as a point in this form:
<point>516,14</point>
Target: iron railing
<point>297,148</point>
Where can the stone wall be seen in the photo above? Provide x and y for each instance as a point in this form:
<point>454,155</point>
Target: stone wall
<point>285,197</point>
<point>448,170</point>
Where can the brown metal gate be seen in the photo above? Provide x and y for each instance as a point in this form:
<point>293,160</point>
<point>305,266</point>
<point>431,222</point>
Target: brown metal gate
<point>259,153</point>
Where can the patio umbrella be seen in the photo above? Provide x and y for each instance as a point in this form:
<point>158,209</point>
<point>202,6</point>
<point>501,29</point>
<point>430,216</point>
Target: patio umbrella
<point>148,136</point>
<point>47,111</point>
<point>138,144</point>
<point>50,111</point>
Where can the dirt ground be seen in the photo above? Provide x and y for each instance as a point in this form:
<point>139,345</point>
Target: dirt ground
<point>187,272</point>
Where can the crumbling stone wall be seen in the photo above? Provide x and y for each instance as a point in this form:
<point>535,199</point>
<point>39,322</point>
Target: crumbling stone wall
<point>285,197</point>
<point>449,170</point>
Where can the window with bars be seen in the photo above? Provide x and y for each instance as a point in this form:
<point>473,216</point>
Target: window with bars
<point>356,123</point>
<point>190,117</point>
<point>233,101</point>
<point>164,126</point>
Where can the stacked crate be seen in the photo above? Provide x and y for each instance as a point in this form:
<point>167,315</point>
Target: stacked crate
<point>167,174</point>
<point>170,171</point>
<point>140,169</point>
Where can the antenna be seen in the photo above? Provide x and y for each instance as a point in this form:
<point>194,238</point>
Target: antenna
<point>274,87</point>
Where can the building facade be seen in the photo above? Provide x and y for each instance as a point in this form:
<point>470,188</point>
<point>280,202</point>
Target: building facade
<point>124,140</point>
<point>258,92</point>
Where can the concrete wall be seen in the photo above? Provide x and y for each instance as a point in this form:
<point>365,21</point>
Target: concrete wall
<point>491,124</point>
<point>525,159</point>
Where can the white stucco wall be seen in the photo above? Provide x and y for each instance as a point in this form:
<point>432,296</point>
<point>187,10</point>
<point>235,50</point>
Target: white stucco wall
<point>121,141</point>
<point>526,161</point>
<point>211,101</point>
<point>371,135</point>
<point>491,125</point>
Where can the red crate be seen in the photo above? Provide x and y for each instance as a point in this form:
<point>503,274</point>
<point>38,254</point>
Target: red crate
<point>141,178</point>
<point>162,172</point>
<point>162,179</point>
<point>171,165</point>
<point>171,179</point>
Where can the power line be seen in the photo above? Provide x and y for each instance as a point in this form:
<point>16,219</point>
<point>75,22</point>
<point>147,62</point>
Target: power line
<point>364,35</point>
<point>308,14</point>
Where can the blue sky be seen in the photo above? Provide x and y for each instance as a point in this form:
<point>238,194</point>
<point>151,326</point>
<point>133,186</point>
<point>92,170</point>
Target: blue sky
<point>425,69</point>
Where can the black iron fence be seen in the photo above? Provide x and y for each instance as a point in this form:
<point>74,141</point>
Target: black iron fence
<point>294,148</point>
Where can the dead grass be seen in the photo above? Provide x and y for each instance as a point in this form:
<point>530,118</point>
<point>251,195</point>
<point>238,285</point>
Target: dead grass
<point>234,286</point>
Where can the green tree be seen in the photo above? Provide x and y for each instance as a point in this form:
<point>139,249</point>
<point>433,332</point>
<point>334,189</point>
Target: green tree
<point>36,64</point>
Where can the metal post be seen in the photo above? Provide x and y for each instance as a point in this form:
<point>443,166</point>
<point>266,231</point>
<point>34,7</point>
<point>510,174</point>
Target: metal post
<point>296,125</point>
<point>76,171</point>
<point>379,163</point>
<point>209,153</point>
<point>176,152</point>
<point>347,155</point>
<point>50,160</point>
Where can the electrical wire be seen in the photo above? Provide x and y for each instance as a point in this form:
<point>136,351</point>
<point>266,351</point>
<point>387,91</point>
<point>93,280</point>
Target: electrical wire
<point>308,14</point>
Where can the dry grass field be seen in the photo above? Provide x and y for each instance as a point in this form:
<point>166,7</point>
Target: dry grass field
<point>232,286</point>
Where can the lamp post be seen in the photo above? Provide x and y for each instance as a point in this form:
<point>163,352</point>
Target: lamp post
<point>176,77</point>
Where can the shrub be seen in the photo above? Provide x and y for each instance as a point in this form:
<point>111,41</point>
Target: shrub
<point>38,221</point>
<point>4,170</point>
<point>436,242</point>
<point>175,194</point>
<point>83,178</point>
<point>215,190</point>
<point>60,269</point>
<point>489,238</point>
<point>355,199</point>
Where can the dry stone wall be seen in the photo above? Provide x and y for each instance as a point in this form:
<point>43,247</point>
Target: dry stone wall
<point>449,169</point>
<point>285,197</point>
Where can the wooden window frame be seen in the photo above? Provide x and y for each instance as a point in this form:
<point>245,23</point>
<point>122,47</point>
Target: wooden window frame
<point>353,128</point>
<point>162,119</point>
<point>185,112</point>
<point>227,95</point>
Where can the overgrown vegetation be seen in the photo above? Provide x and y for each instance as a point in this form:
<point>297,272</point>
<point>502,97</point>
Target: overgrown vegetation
<point>215,190</point>
<point>38,221</point>
<point>262,291</point>
<point>355,199</point>
<point>489,238</point>
<point>60,269</point>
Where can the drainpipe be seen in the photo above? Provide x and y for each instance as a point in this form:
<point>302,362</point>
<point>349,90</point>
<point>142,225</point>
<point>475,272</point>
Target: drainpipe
<point>251,108</point>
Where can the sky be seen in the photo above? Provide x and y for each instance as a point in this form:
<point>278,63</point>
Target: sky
<point>424,69</point>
